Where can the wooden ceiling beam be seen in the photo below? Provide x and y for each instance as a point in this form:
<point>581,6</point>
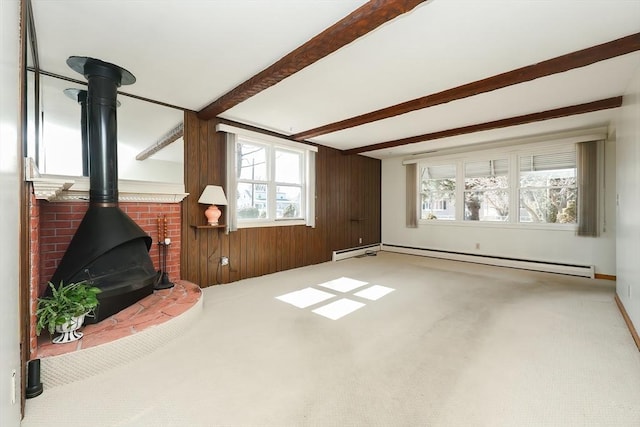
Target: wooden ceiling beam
<point>363,20</point>
<point>556,65</point>
<point>588,107</point>
<point>169,138</point>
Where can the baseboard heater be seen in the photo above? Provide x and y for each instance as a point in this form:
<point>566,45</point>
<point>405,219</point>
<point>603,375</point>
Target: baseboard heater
<point>569,269</point>
<point>353,252</point>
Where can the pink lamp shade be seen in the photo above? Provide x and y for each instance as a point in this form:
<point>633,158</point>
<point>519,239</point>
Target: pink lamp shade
<point>213,195</point>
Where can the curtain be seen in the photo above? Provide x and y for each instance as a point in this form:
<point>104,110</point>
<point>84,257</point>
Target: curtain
<point>311,189</point>
<point>587,170</point>
<point>231,185</point>
<point>412,195</point>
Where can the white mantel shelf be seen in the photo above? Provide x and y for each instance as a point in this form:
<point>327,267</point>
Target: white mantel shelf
<point>59,188</point>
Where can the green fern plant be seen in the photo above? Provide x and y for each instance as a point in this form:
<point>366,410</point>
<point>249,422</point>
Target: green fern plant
<point>64,303</point>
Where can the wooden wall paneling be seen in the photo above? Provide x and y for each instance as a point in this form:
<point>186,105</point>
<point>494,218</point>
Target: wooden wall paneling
<point>249,259</point>
<point>358,214</point>
<point>347,187</point>
<point>336,212</point>
<point>256,252</point>
<point>372,203</point>
<point>233,272</point>
<point>273,260</point>
<point>300,244</point>
<point>310,250</point>
<point>204,236</point>
<point>285,244</point>
<point>262,249</point>
<point>346,201</point>
<point>277,250</point>
<point>319,232</point>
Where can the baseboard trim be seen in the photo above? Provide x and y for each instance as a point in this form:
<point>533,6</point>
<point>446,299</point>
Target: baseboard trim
<point>569,269</point>
<point>627,320</point>
<point>605,276</point>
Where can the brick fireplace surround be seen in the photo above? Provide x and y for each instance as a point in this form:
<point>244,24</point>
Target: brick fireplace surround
<point>53,224</point>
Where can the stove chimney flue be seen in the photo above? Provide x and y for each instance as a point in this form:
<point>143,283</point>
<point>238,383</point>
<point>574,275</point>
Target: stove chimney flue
<point>108,249</point>
<point>103,79</point>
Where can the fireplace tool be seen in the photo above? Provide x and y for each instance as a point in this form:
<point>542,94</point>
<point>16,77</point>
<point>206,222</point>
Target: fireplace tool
<point>163,246</point>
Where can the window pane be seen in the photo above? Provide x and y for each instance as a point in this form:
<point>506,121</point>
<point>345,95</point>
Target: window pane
<point>548,178</point>
<point>489,205</point>
<point>550,161</point>
<point>252,200</point>
<point>252,162</point>
<point>548,205</point>
<point>486,183</point>
<point>439,172</point>
<point>487,174</point>
<point>438,205</point>
<point>548,191</point>
<point>437,192</point>
<point>288,167</point>
<point>288,202</point>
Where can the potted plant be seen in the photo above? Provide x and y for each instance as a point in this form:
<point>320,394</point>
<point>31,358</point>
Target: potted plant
<point>65,309</point>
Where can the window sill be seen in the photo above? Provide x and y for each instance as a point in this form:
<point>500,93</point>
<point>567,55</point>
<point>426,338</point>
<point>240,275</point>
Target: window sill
<point>277,223</point>
<point>505,225</point>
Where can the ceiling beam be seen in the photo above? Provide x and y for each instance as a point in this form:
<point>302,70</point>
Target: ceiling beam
<point>170,137</point>
<point>603,104</point>
<point>556,65</point>
<point>363,20</point>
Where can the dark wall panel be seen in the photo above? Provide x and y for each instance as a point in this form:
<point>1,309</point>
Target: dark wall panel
<point>347,210</point>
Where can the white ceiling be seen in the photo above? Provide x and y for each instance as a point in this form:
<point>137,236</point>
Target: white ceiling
<point>188,53</point>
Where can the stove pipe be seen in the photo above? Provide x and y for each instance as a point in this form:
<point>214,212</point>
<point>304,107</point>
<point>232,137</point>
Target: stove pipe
<point>109,249</point>
<point>81,97</point>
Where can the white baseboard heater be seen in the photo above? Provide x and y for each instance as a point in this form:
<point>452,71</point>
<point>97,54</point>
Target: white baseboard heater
<point>569,269</point>
<point>353,252</point>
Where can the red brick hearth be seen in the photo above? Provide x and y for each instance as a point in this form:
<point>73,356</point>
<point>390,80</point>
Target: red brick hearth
<point>53,224</point>
<point>155,309</point>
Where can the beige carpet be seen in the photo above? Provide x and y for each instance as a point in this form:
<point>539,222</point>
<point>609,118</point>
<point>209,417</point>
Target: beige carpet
<point>454,344</point>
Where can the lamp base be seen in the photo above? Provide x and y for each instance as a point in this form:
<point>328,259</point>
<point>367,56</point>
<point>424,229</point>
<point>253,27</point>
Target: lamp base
<point>213,214</point>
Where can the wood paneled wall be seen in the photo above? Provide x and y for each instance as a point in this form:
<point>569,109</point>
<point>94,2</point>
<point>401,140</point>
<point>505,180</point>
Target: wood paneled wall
<point>347,210</point>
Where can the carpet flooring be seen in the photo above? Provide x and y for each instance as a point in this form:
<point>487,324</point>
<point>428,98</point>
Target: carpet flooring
<point>442,343</point>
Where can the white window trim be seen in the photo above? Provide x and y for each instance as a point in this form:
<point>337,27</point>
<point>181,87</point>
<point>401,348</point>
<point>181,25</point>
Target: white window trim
<point>309,183</point>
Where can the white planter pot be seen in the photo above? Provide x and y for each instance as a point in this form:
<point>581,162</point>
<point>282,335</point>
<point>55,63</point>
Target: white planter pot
<point>69,331</point>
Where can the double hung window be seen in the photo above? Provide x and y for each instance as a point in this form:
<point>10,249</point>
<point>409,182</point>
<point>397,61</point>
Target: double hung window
<point>438,192</point>
<point>271,181</point>
<point>548,187</point>
<point>486,190</point>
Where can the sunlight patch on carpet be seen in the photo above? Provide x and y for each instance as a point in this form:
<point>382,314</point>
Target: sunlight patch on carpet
<point>338,309</point>
<point>305,297</point>
<point>343,284</point>
<point>374,293</point>
<point>310,296</point>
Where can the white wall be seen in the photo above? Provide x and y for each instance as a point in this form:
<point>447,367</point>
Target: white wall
<point>628,209</point>
<point>512,241</point>
<point>148,170</point>
<point>9,213</point>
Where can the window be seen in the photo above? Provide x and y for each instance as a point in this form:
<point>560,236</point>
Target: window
<point>438,192</point>
<point>548,187</point>
<point>269,182</point>
<point>273,180</point>
<point>486,190</point>
<point>535,184</point>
